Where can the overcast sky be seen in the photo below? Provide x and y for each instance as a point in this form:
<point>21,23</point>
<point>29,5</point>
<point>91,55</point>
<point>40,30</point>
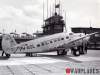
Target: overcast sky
<point>27,15</point>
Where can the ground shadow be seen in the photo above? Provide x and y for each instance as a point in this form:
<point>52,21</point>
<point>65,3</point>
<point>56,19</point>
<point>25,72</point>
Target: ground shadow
<point>65,57</point>
<point>3,58</point>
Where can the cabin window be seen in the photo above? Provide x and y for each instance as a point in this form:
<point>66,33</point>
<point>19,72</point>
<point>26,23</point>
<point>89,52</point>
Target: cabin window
<point>62,38</point>
<point>67,37</point>
<point>38,45</point>
<point>58,39</point>
<point>55,40</point>
<point>42,44</point>
<point>46,43</point>
<point>51,42</point>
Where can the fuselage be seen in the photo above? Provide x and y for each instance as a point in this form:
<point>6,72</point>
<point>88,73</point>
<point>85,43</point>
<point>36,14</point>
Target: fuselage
<point>49,43</point>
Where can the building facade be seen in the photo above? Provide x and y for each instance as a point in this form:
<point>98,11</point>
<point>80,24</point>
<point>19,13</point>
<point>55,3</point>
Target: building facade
<point>53,24</point>
<point>94,41</point>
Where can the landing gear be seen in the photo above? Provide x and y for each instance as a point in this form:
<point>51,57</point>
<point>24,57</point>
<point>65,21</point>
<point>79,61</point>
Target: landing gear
<point>79,50</point>
<point>83,49</point>
<point>31,54</point>
<point>62,52</point>
<point>75,52</point>
<point>3,53</point>
<point>27,54</point>
<point>7,55</point>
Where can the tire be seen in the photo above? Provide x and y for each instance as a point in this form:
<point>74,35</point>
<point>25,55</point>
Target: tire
<point>75,52</point>
<point>8,55</point>
<point>29,54</point>
<point>61,52</point>
<point>58,52</point>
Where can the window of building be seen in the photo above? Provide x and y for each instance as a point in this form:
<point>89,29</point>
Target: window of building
<point>57,27</point>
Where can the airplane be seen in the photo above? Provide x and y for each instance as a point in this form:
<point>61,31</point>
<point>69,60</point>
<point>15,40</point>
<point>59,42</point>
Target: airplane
<point>60,42</point>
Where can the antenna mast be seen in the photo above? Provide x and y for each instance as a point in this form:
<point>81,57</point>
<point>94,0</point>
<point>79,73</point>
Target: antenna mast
<point>47,8</point>
<point>90,24</point>
<point>59,7</point>
<point>43,12</point>
<point>55,6</point>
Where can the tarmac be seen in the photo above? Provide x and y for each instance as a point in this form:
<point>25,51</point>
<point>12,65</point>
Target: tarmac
<point>50,64</point>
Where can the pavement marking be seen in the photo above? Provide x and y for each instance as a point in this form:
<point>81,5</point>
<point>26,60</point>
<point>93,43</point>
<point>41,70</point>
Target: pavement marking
<point>46,69</point>
<point>5,71</point>
<point>19,70</point>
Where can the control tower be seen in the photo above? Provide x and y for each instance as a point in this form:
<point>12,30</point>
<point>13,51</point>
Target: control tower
<point>55,23</point>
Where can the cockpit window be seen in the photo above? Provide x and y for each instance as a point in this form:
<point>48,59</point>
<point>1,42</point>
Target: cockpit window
<point>38,45</point>
<point>67,37</point>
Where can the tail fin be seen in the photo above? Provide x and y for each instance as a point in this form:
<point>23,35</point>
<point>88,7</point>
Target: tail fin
<point>7,42</point>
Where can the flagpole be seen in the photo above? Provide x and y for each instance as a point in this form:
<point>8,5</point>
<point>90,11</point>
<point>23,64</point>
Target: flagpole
<point>43,12</point>
<point>59,7</point>
<point>47,8</point>
<point>55,5</point>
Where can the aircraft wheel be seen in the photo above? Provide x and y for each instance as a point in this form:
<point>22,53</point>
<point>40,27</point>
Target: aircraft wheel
<point>64,52</point>
<point>8,55</point>
<point>61,52</point>
<point>58,52</point>
<point>27,54</point>
<point>76,52</point>
<point>30,54</point>
<point>34,54</point>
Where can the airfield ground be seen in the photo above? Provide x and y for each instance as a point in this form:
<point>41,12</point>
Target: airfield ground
<point>48,63</point>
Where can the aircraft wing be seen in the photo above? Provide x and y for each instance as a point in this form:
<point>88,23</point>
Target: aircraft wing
<point>78,41</point>
<point>88,35</point>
